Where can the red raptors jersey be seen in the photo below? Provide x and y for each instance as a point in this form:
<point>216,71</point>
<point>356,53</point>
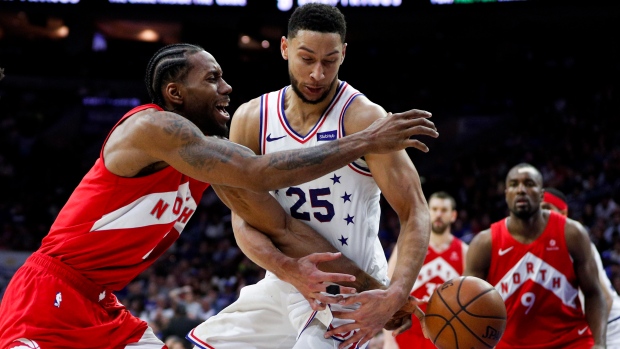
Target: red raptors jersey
<point>112,228</point>
<point>539,287</point>
<point>438,268</point>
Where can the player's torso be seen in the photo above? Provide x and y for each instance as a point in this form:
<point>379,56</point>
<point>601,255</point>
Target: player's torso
<point>539,287</point>
<point>438,268</point>
<point>112,227</point>
<point>343,205</point>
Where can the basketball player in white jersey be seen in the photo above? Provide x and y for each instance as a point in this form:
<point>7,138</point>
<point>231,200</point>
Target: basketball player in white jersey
<point>555,200</point>
<point>343,206</point>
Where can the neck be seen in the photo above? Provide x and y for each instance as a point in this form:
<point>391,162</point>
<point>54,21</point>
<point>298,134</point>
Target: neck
<point>441,241</point>
<point>529,228</point>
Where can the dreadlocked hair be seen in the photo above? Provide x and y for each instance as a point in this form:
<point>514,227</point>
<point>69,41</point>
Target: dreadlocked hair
<point>167,64</point>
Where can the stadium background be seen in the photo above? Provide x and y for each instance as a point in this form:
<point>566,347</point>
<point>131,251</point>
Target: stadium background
<point>507,82</point>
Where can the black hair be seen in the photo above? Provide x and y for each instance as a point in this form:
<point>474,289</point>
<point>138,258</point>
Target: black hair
<point>169,63</point>
<point>557,193</point>
<point>444,196</point>
<point>317,17</point>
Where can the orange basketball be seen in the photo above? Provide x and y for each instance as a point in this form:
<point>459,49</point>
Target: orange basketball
<point>465,313</point>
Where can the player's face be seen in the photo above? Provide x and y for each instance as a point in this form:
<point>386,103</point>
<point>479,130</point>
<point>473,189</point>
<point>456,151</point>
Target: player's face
<point>550,207</point>
<point>524,191</point>
<point>314,59</point>
<point>442,215</point>
<point>205,95</point>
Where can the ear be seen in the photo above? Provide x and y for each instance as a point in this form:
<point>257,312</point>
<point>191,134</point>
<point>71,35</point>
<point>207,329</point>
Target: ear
<point>284,47</point>
<point>453,216</point>
<point>174,93</point>
<point>344,52</point>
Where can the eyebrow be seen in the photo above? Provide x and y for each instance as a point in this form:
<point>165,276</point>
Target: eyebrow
<point>311,51</point>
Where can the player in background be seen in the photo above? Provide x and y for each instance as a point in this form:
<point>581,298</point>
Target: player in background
<point>555,200</point>
<point>444,260</point>
<point>538,260</point>
<point>139,195</point>
<point>343,206</point>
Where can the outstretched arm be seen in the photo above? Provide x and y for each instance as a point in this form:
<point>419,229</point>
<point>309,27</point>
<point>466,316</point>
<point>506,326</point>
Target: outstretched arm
<point>153,136</point>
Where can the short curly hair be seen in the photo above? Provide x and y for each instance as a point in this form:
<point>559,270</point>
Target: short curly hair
<point>317,17</point>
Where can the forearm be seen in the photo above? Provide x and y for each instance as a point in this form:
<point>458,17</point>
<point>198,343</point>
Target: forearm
<point>292,167</point>
<point>412,247</point>
<point>260,249</point>
<point>596,316</point>
<point>272,239</point>
<point>306,240</point>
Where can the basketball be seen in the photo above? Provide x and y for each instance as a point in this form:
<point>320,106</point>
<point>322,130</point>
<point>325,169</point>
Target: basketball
<point>465,313</point>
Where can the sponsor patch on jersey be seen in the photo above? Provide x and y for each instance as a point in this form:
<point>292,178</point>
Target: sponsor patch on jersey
<point>326,136</point>
<point>24,343</point>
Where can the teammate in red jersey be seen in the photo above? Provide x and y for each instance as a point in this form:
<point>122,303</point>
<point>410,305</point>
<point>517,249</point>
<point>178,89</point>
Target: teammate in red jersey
<point>555,200</point>
<point>444,260</point>
<point>137,198</point>
<point>538,260</point>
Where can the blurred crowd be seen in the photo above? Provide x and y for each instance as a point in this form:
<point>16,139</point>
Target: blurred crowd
<point>50,136</point>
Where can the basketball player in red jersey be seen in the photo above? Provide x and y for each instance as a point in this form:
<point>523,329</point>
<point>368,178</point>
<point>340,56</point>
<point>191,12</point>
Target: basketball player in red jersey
<point>444,260</point>
<point>137,198</point>
<point>538,260</point>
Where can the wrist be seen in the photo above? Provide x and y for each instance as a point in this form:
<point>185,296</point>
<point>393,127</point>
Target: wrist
<point>397,292</point>
<point>286,268</point>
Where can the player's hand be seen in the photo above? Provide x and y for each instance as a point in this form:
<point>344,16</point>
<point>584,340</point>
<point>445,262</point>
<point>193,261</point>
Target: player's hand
<point>401,320</point>
<point>394,131</point>
<point>376,308</point>
<point>312,283</point>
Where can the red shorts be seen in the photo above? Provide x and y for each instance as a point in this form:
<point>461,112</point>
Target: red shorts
<point>54,306</point>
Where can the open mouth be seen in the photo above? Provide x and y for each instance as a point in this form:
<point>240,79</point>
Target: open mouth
<point>221,107</point>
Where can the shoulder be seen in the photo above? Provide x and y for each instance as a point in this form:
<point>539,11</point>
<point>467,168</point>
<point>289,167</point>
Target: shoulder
<point>248,111</point>
<point>152,121</point>
<point>245,123</point>
<point>577,238</point>
<point>361,113</point>
<point>575,231</point>
<point>482,238</point>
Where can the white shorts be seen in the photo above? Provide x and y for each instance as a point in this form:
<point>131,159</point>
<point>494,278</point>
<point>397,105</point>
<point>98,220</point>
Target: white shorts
<point>270,314</point>
<point>613,333</point>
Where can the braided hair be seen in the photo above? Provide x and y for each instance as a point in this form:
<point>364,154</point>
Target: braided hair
<point>169,63</point>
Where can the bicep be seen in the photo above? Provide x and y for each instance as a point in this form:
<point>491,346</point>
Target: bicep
<point>584,264</point>
<point>478,258</point>
<point>399,182</point>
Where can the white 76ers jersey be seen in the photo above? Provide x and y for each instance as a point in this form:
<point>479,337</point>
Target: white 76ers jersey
<point>343,206</point>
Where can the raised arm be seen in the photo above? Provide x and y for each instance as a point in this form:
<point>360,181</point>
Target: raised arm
<point>153,136</point>
<point>578,243</point>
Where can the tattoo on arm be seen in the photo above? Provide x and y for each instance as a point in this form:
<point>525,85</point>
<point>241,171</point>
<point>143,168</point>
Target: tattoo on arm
<point>195,151</point>
<point>303,158</point>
